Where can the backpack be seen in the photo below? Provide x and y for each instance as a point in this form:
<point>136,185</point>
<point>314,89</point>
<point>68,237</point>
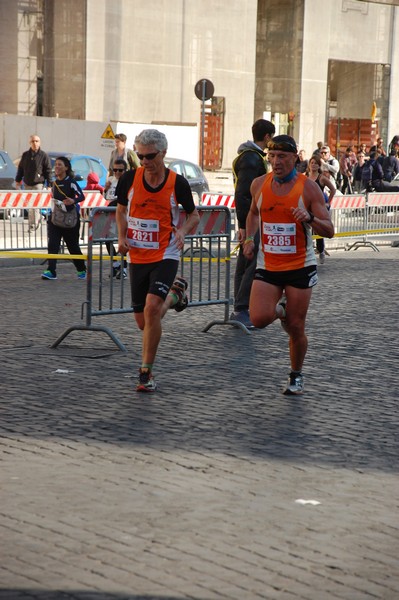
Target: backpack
<point>239,156</point>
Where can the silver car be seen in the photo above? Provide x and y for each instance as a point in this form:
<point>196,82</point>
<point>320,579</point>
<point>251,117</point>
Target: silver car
<point>192,172</point>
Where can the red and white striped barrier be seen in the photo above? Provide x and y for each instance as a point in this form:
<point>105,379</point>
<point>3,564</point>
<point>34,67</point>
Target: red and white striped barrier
<point>218,200</point>
<point>348,202</point>
<point>382,199</point>
<point>93,199</point>
<point>33,199</point>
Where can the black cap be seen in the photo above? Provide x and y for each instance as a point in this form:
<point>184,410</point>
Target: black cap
<point>285,143</point>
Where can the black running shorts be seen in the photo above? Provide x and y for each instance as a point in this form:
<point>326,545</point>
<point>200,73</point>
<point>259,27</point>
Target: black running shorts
<point>298,278</point>
<point>151,278</point>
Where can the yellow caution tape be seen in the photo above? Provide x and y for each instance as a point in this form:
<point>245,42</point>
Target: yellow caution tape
<point>27,254</point>
<point>20,254</point>
<point>360,233</point>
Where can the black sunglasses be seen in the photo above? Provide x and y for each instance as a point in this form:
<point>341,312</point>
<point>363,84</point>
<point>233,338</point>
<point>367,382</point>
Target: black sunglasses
<point>149,156</point>
<point>118,170</point>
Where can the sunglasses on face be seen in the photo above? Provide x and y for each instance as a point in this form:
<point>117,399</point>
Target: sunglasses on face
<point>118,170</point>
<point>149,156</point>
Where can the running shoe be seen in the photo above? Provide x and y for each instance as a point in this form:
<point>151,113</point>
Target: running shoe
<point>283,305</point>
<point>322,258</point>
<point>119,274</point>
<point>49,275</point>
<point>81,274</point>
<point>179,287</point>
<point>294,385</point>
<point>242,316</point>
<point>146,382</point>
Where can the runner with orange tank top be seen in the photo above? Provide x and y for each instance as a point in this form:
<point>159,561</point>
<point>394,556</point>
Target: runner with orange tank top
<point>286,207</point>
<point>147,216</point>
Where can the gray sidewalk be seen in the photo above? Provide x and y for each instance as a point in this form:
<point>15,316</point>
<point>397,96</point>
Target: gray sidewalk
<point>191,493</point>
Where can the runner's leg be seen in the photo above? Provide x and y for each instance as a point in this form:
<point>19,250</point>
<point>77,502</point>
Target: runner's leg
<point>262,303</point>
<point>297,307</point>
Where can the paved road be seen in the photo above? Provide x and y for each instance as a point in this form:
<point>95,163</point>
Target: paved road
<point>191,494</point>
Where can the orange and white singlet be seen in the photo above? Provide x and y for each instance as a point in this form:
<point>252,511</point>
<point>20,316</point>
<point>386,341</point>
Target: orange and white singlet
<point>152,218</point>
<point>285,244</point>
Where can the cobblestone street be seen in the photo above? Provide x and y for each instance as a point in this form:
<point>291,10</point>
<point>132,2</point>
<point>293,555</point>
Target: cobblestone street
<point>192,493</point>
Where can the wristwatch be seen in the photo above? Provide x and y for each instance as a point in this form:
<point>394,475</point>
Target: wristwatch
<point>311,217</point>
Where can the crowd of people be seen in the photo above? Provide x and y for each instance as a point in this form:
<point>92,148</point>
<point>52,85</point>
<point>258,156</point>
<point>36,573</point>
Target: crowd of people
<point>360,169</point>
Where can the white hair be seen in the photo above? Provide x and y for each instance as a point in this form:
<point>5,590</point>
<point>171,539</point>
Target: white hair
<point>152,137</point>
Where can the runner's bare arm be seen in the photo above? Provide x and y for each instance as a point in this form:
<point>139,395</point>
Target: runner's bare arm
<point>314,205</point>
<point>188,225</point>
<point>252,223</point>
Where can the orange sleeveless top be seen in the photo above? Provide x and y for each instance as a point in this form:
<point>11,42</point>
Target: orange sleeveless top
<point>152,218</point>
<point>285,244</point>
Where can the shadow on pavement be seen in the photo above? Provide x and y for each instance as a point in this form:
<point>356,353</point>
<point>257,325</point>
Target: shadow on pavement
<point>26,594</point>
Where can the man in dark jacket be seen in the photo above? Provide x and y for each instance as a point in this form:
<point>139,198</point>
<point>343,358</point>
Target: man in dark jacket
<point>34,170</point>
<point>249,164</point>
<point>390,166</point>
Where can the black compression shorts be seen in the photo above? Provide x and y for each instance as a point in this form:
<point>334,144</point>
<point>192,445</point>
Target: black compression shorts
<point>298,278</point>
<point>151,278</point>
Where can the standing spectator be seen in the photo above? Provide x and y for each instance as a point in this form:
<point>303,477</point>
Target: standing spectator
<point>148,220</point>
<point>362,148</point>
<point>119,168</point>
<point>346,163</point>
<point>378,147</point>
<point>332,163</point>
<point>319,173</point>
<point>285,207</point>
<point>394,144</point>
<point>390,165</point>
<point>377,174</point>
<point>66,191</point>
<point>249,164</point>
<point>302,163</point>
<point>358,173</point>
<point>34,171</point>
<point>121,152</point>
<point>319,146</point>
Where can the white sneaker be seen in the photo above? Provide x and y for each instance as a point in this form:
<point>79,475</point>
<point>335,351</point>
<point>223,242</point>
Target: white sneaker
<point>294,385</point>
<point>282,312</point>
<point>322,258</point>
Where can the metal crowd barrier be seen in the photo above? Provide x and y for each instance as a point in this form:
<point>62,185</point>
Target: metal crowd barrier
<point>208,199</point>
<point>205,263</point>
<point>23,218</point>
<point>382,215</point>
<point>359,219</point>
<point>365,220</point>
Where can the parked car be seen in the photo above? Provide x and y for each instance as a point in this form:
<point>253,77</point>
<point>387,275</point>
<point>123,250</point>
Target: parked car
<point>7,171</point>
<point>192,172</point>
<point>82,165</point>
